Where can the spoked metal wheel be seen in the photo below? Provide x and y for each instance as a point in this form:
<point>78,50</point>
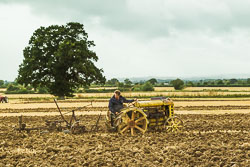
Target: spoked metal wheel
<point>173,124</point>
<point>133,120</point>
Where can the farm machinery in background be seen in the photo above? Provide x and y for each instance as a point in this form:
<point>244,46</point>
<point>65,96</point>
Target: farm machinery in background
<point>4,99</point>
<point>156,114</point>
<point>73,125</point>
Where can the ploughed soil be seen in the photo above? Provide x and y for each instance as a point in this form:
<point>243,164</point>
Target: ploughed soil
<point>206,140</point>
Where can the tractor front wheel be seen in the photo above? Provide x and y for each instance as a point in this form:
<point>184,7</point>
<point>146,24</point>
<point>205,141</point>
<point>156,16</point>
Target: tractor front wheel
<point>173,124</point>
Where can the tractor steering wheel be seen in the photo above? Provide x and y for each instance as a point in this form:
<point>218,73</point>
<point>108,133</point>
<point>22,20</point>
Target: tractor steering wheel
<point>132,104</point>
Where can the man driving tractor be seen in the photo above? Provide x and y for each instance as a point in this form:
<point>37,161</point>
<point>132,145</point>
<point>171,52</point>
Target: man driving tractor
<point>116,104</point>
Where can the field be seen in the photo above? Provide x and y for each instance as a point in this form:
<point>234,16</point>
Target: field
<point>216,133</point>
<point>205,89</point>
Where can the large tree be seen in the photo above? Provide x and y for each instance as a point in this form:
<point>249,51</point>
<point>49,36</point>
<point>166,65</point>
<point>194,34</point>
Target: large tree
<point>60,58</point>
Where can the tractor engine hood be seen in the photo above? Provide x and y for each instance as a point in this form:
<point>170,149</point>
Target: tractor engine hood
<point>153,103</point>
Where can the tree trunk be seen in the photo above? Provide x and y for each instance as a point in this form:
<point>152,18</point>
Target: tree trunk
<point>61,97</point>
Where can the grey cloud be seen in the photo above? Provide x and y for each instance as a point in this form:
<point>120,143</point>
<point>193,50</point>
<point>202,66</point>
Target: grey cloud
<point>149,37</point>
<point>149,18</point>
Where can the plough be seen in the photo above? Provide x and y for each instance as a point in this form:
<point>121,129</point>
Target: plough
<point>73,125</point>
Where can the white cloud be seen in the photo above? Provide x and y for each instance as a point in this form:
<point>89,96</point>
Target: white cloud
<point>17,26</point>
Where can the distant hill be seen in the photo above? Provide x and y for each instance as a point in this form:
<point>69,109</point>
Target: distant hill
<point>194,78</point>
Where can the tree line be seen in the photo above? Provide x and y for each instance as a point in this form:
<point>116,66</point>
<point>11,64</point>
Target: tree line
<point>60,60</point>
<point>128,85</point>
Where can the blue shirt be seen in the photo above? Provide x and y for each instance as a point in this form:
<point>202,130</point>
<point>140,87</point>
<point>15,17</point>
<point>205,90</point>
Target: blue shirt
<point>116,105</point>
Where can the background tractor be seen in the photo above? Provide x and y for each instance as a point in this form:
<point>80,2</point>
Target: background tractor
<point>4,99</point>
<point>156,114</point>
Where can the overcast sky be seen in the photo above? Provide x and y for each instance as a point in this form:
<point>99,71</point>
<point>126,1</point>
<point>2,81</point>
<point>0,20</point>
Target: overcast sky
<point>137,38</point>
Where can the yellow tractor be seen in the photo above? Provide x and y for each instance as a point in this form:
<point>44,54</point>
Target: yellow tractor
<point>155,114</point>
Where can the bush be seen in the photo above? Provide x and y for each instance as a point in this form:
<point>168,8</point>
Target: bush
<point>24,91</point>
<point>147,87</point>
<point>136,88</point>
<point>12,87</point>
<point>43,90</point>
<point>99,90</point>
<point>123,89</point>
<point>178,84</point>
<point>144,87</point>
<point>17,89</point>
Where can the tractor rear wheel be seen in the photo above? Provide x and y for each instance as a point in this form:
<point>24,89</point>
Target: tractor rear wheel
<point>133,120</point>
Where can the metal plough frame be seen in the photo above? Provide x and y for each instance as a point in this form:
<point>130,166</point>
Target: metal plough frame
<point>72,126</point>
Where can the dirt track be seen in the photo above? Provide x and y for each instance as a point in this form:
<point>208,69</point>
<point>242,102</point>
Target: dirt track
<point>207,140</point>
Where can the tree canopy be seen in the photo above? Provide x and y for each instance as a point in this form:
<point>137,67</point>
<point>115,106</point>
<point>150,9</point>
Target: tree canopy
<point>127,82</point>
<point>113,82</point>
<point>1,83</point>
<point>153,81</point>
<point>178,84</point>
<point>248,80</point>
<point>147,86</point>
<point>60,58</point>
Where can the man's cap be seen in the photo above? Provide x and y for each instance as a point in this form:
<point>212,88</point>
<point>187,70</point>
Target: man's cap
<point>118,92</point>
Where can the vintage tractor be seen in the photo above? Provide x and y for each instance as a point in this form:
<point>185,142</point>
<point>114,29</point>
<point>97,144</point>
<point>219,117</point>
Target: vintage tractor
<point>156,114</point>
